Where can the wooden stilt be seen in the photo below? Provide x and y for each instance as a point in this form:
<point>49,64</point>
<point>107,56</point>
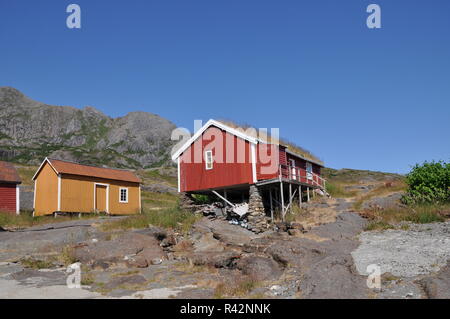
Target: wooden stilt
<point>271,204</point>
<point>307,197</point>
<point>300,196</point>
<point>282,200</point>
<point>290,198</point>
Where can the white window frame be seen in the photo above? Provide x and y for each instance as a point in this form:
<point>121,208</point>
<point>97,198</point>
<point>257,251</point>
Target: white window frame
<point>206,160</point>
<point>120,194</point>
<point>309,170</point>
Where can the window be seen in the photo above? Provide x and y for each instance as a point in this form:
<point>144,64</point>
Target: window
<point>309,170</point>
<point>209,160</point>
<point>123,195</point>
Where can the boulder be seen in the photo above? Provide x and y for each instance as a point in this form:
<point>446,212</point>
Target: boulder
<point>214,259</point>
<point>261,268</point>
<point>437,286</point>
<point>116,250</point>
<point>334,277</point>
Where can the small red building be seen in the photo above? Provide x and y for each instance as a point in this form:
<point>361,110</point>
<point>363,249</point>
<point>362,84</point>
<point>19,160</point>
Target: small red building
<point>225,159</point>
<point>9,188</point>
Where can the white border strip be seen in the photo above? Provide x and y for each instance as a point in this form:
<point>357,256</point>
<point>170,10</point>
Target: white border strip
<point>17,199</point>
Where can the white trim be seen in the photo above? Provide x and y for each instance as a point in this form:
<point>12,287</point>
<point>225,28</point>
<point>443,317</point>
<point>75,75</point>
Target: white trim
<point>107,195</point>
<point>140,204</point>
<point>59,192</point>
<point>17,199</point>
<point>120,195</point>
<point>253,149</point>
<point>40,167</point>
<point>206,160</point>
<point>179,174</point>
<point>203,129</point>
<point>34,196</point>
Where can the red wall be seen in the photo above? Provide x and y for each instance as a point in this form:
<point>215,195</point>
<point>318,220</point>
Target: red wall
<point>268,161</point>
<point>194,176</point>
<point>8,197</point>
<point>227,171</point>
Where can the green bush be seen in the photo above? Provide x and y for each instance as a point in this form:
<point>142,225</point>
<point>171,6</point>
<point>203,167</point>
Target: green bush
<point>428,183</point>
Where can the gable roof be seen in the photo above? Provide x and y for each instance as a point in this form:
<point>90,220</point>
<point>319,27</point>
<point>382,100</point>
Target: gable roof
<point>8,173</point>
<point>222,126</point>
<point>238,133</point>
<point>65,167</point>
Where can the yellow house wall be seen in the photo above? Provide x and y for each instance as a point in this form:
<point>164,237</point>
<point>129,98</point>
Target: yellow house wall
<point>46,191</point>
<point>77,195</point>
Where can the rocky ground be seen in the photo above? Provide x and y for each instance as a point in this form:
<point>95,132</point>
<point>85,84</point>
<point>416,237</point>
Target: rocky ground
<point>324,257</point>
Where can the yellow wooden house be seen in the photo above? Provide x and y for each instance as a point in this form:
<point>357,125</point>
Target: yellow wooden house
<point>67,187</point>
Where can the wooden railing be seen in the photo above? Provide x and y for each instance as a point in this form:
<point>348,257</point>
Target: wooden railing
<point>301,175</point>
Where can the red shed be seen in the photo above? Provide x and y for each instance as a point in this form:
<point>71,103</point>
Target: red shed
<point>9,188</point>
<point>222,158</point>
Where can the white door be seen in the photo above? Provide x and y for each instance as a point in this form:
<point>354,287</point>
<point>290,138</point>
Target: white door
<point>293,170</point>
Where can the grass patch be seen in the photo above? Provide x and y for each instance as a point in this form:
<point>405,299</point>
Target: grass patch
<point>337,190</point>
<point>419,214</point>
<point>296,215</point>
<point>26,173</point>
<point>66,256</point>
<point>35,263</point>
<point>87,279</point>
<point>378,225</point>
<point>236,287</point>
<point>173,218</point>
<point>155,175</point>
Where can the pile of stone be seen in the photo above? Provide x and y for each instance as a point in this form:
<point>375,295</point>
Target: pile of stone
<point>187,202</point>
<point>256,217</point>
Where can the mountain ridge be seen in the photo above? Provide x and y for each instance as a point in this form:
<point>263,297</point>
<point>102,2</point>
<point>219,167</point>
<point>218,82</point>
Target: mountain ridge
<point>32,130</point>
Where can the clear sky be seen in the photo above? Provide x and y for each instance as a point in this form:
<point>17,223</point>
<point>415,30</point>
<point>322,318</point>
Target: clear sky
<point>361,98</point>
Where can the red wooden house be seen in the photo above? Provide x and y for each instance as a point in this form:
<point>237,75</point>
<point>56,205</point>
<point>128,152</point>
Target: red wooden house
<point>227,160</point>
<point>9,188</point>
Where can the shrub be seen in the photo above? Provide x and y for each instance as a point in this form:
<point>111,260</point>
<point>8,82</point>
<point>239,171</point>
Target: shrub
<point>428,183</point>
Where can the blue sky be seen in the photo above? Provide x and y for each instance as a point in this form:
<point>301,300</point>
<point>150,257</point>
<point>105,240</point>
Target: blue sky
<point>356,97</point>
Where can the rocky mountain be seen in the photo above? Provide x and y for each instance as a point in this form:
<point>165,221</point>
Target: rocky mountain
<point>30,131</point>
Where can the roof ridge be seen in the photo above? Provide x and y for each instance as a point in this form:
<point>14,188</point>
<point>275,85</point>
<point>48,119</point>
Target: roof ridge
<point>89,165</point>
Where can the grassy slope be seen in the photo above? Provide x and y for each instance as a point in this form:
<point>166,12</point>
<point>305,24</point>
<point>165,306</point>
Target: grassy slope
<point>341,181</point>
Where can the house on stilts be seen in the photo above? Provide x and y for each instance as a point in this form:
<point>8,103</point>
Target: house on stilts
<point>244,166</point>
